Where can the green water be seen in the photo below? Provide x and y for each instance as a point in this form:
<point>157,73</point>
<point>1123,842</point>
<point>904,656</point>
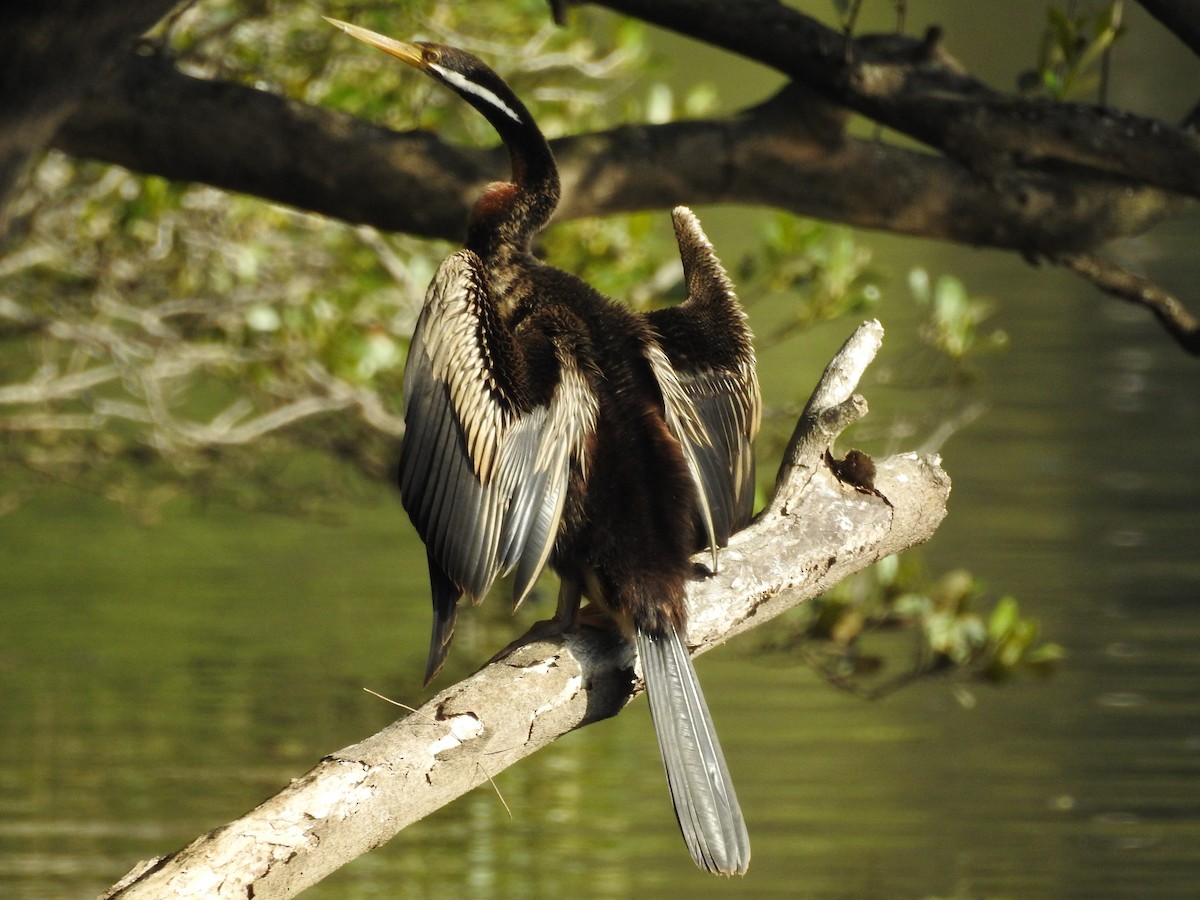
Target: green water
<point>158,681</point>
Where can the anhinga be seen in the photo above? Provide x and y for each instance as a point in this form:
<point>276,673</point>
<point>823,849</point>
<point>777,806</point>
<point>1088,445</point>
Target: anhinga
<point>548,424</point>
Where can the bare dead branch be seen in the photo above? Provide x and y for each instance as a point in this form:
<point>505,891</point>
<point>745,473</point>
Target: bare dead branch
<point>47,386</point>
<point>831,409</point>
<point>1111,278</point>
<point>361,796</point>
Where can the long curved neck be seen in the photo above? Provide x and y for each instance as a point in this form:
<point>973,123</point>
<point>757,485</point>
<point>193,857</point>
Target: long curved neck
<point>509,213</point>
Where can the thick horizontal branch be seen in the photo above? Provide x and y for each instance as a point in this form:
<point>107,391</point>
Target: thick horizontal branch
<point>49,52</point>
<point>150,117</point>
<point>790,153</point>
<point>359,797</point>
<point>913,86</point>
<point>1045,179</point>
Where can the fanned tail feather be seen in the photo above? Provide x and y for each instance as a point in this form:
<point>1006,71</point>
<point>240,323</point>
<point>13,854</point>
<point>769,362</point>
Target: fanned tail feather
<point>701,789</point>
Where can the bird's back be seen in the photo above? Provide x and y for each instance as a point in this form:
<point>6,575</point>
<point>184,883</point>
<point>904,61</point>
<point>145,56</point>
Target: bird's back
<point>628,527</point>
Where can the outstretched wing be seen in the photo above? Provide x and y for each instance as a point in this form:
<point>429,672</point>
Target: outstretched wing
<point>484,468</point>
<point>711,390</point>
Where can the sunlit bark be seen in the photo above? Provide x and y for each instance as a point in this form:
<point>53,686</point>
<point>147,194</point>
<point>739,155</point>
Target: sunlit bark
<point>815,531</point>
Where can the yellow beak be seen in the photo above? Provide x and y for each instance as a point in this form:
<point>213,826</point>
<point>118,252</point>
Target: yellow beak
<point>410,53</point>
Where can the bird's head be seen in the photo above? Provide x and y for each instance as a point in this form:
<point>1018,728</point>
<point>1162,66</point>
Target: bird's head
<point>507,212</point>
<point>464,73</point>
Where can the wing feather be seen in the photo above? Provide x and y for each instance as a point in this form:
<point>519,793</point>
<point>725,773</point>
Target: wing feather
<point>712,389</point>
<point>684,421</point>
<point>483,470</point>
<point>571,419</point>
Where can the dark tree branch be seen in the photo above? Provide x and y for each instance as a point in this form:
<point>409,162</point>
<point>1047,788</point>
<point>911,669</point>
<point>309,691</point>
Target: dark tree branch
<point>150,117</point>
<point>49,52</point>
<point>1044,179</point>
<point>1180,17</point>
<point>790,153</point>
<point>1125,285</point>
<point>914,87</point>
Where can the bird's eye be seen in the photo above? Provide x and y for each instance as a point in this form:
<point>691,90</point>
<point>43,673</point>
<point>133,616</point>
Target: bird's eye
<point>430,56</point>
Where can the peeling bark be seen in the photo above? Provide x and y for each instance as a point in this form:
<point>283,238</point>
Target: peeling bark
<point>815,532</point>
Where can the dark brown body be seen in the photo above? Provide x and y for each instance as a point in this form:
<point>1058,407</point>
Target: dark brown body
<point>630,527</point>
<point>630,523</point>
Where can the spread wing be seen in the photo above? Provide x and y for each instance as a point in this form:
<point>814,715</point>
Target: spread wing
<point>483,469</point>
<point>709,383</point>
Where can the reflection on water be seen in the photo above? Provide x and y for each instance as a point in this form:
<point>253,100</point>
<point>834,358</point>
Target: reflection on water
<point>155,683</point>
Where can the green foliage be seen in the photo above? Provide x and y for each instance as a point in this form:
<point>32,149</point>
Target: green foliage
<point>822,270</point>
<point>893,624</point>
<point>1073,52</point>
<point>159,327</point>
<point>167,339</point>
<point>953,316</point>
<point>625,257</point>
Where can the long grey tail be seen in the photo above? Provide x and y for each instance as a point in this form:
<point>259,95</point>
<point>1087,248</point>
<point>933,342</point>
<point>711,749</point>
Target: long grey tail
<point>701,789</point>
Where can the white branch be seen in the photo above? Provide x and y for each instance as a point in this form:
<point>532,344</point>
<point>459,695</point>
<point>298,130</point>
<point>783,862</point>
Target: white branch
<point>51,422</point>
<point>46,388</point>
<point>361,796</point>
<point>289,414</point>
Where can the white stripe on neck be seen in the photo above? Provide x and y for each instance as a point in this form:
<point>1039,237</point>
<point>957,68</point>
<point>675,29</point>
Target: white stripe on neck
<point>470,87</point>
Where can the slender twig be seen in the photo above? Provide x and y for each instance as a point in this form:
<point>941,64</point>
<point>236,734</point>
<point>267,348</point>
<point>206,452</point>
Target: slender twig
<point>1113,279</point>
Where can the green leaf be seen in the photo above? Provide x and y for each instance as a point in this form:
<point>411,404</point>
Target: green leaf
<point>1004,616</point>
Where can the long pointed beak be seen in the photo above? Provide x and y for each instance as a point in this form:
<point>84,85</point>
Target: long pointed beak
<point>410,53</point>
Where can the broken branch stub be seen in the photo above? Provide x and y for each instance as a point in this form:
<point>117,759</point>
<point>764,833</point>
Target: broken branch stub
<point>831,409</point>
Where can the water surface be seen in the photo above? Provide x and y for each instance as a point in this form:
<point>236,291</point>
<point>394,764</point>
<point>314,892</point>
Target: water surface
<point>157,681</point>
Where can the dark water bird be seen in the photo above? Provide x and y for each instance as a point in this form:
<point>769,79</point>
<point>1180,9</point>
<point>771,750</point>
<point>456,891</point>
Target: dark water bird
<point>547,424</point>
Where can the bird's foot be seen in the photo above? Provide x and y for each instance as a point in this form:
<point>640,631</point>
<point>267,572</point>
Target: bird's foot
<point>552,631</point>
<point>549,631</point>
